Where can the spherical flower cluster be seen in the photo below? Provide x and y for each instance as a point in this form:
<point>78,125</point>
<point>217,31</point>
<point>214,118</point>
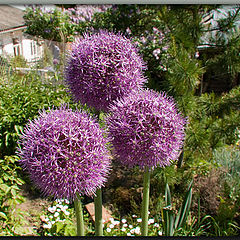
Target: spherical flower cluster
<point>65,153</point>
<point>146,129</point>
<point>103,67</point>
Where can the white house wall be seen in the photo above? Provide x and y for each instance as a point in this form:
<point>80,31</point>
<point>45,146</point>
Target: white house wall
<point>7,46</point>
<point>28,51</point>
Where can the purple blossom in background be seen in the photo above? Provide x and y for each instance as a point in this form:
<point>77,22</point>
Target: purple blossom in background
<point>146,129</point>
<point>165,48</point>
<point>65,153</point>
<point>84,12</point>
<point>143,40</point>
<point>55,61</point>
<point>150,37</point>
<point>103,67</point>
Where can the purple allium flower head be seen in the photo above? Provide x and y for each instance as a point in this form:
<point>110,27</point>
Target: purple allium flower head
<point>146,129</point>
<point>65,153</point>
<point>103,67</point>
<point>55,61</point>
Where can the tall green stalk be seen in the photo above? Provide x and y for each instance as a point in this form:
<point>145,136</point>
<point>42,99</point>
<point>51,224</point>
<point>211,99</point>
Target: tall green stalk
<point>79,216</point>
<point>98,204</point>
<point>98,213</point>
<point>145,202</point>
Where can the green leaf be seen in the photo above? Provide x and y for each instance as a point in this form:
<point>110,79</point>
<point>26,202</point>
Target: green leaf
<point>69,230</point>
<point>168,215</point>
<point>5,188</point>
<point>19,181</point>
<point>3,215</point>
<point>5,177</point>
<point>13,192</point>
<point>184,210</point>
<point>59,226</point>
<point>7,138</point>
<point>167,196</point>
<point>18,129</point>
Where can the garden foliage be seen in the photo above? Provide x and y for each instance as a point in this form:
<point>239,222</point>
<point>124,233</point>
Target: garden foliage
<point>20,101</point>
<point>183,53</point>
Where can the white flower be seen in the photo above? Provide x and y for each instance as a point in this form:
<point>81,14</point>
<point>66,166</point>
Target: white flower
<point>128,234</point>
<point>155,30</point>
<point>116,222</point>
<point>159,233</point>
<point>148,212</point>
<point>63,208</point>
<point>112,220</point>
<point>125,225</point>
<point>150,221</point>
<point>128,30</point>
<point>130,226</point>
<point>139,220</point>
<point>132,231</point>
<point>123,229</point>
<point>56,214</point>
<point>111,225</point>
<point>156,225</point>
<point>124,220</point>
<point>58,210</point>
<point>66,213</point>
<point>58,218</point>
<point>52,222</point>
<point>197,55</point>
<point>134,216</point>
<point>156,52</point>
<point>108,229</point>
<point>137,230</point>
<point>43,218</point>
<point>52,209</point>
<point>66,201</point>
<point>49,225</point>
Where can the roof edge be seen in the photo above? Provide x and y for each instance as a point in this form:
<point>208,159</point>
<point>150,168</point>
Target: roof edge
<point>13,29</point>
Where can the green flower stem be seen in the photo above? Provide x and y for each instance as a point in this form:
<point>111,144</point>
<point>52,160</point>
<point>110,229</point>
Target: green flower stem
<point>145,202</point>
<point>98,204</point>
<point>98,213</point>
<point>79,216</point>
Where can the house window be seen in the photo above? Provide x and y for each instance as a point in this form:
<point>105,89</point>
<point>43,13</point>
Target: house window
<point>1,48</point>
<point>16,47</point>
<point>33,48</point>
